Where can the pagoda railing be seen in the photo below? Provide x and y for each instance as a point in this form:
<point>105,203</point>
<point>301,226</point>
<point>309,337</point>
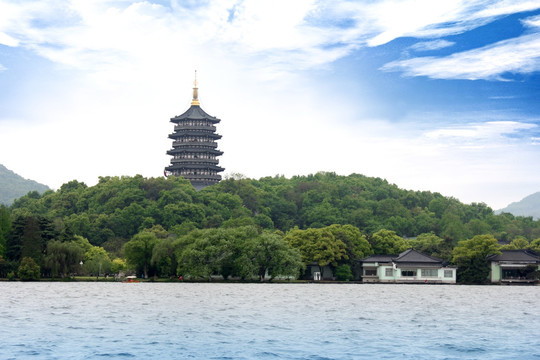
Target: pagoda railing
<point>195,143</point>
<point>201,161</point>
<point>198,127</point>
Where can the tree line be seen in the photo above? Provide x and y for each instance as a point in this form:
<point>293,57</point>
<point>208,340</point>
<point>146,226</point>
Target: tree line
<point>245,228</point>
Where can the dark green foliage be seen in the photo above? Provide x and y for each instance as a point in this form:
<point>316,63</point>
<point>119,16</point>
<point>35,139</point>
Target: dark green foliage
<point>120,207</point>
<point>5,229</point>
<point>240,252</point>
<point>349,210</point>
<point>471,258</point>
<point>63,258</point>
<point>138,251</point>
<point>344,273</point>
<point>29,270</point>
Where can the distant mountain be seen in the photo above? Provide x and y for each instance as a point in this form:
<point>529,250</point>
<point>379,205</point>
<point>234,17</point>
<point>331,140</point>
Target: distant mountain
<point>529,206</point>
<point>13,186</point>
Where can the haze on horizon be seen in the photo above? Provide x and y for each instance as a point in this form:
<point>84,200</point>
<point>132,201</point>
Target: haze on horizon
<point>438,96</point>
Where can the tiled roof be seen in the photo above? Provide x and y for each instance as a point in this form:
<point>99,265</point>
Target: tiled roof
<point>413,256</point>
<point>515,255</point>
<point>195,112</point>
<point>408,256</point>
<point>379,258</point>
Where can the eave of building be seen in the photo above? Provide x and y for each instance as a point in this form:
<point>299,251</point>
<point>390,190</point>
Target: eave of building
<point>195,112</point>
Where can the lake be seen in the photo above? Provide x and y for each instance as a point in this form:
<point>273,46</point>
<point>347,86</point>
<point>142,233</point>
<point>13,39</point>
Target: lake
<point>54,320</point>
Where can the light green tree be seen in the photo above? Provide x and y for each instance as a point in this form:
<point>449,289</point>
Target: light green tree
<point>535,245</point>
<point>471,258</point>
<point>273,256</point>
<point>518,243</point>
<point>388,242</point>
<point>318,246</point>
<point>118,265</point>
<point>97,261</point>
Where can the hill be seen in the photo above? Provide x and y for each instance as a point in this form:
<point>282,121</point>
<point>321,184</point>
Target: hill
<point>13,186</point>
<point>528,206</point>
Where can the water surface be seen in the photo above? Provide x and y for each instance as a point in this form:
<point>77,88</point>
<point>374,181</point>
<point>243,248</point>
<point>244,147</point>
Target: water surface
<point>267,321</point>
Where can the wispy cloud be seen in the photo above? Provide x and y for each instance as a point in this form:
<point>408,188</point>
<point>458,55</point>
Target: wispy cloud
<point>431,45</point>
<point>532,22</point>
<point>479,135</point>
<point>308,33</point>
<point>517,55</point>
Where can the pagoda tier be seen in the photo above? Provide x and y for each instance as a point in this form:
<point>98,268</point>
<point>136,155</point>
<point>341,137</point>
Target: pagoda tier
<point>194,153</point>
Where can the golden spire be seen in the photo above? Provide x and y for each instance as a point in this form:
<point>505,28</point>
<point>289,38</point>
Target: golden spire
<point>195,100</point>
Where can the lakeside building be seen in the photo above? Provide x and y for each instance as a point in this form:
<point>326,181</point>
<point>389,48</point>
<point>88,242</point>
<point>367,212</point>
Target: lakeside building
<point>194,151</point>
<point>410,266</point>
<point>512,266</point>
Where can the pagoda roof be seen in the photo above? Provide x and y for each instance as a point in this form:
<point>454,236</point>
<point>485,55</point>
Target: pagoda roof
<point>195,112</point>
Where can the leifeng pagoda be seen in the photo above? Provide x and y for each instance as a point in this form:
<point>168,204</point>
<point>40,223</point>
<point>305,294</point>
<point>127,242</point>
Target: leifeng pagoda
<point>194,153</point>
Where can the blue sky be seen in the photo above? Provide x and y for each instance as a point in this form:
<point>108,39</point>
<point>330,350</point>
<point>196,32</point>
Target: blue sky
<point>430,95</point>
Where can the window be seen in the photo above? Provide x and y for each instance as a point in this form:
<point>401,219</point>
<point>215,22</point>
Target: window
<point>370,272</point>
<point>430,272</point>
<point>389,272</point>
<point>448,273</point>
<point>408,272</point>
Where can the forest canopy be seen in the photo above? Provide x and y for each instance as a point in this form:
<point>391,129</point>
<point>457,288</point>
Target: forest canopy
<point>122,220</point>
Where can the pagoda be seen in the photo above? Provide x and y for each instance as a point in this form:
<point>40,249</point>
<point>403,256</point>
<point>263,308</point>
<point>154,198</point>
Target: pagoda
<point>194,153</point>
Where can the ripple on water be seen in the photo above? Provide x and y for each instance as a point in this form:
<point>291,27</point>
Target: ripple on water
<point>267,321</point>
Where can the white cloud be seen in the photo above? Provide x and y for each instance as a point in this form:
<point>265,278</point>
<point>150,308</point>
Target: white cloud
<point>137,61</point>
<point>299,35</point>
<point>517,55</point>
<point>7,40</point>
<point>532,22</point>
<point>492,131</point>
<point>431,45</point>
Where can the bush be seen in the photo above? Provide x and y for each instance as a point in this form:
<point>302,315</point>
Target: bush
<point>11,276</point>
<point>344,273</point>
<point>29,270</point>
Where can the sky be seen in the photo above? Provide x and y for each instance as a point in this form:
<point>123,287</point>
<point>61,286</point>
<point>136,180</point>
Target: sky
<point>440,96</point>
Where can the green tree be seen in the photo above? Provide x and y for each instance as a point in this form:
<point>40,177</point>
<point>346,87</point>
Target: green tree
<point>63,257</point>
<point>388,242</point>
<point>431,244</point>
<point>317,246</point>
<point>138,250</point>
<point>164,256</point>
<point>118,265</point>
<point>97,261</point>
<point>518,243</point>
<point>471,258</point>
<point>29,270</point>
<point>273,256</point>
<point>5,228</point>
<point>357,245</point>
<point>344,273</point>
<point>535,245</point>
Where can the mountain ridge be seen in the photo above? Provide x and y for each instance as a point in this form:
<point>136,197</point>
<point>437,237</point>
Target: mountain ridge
<point>528,206</point>
<point>13,186</point>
